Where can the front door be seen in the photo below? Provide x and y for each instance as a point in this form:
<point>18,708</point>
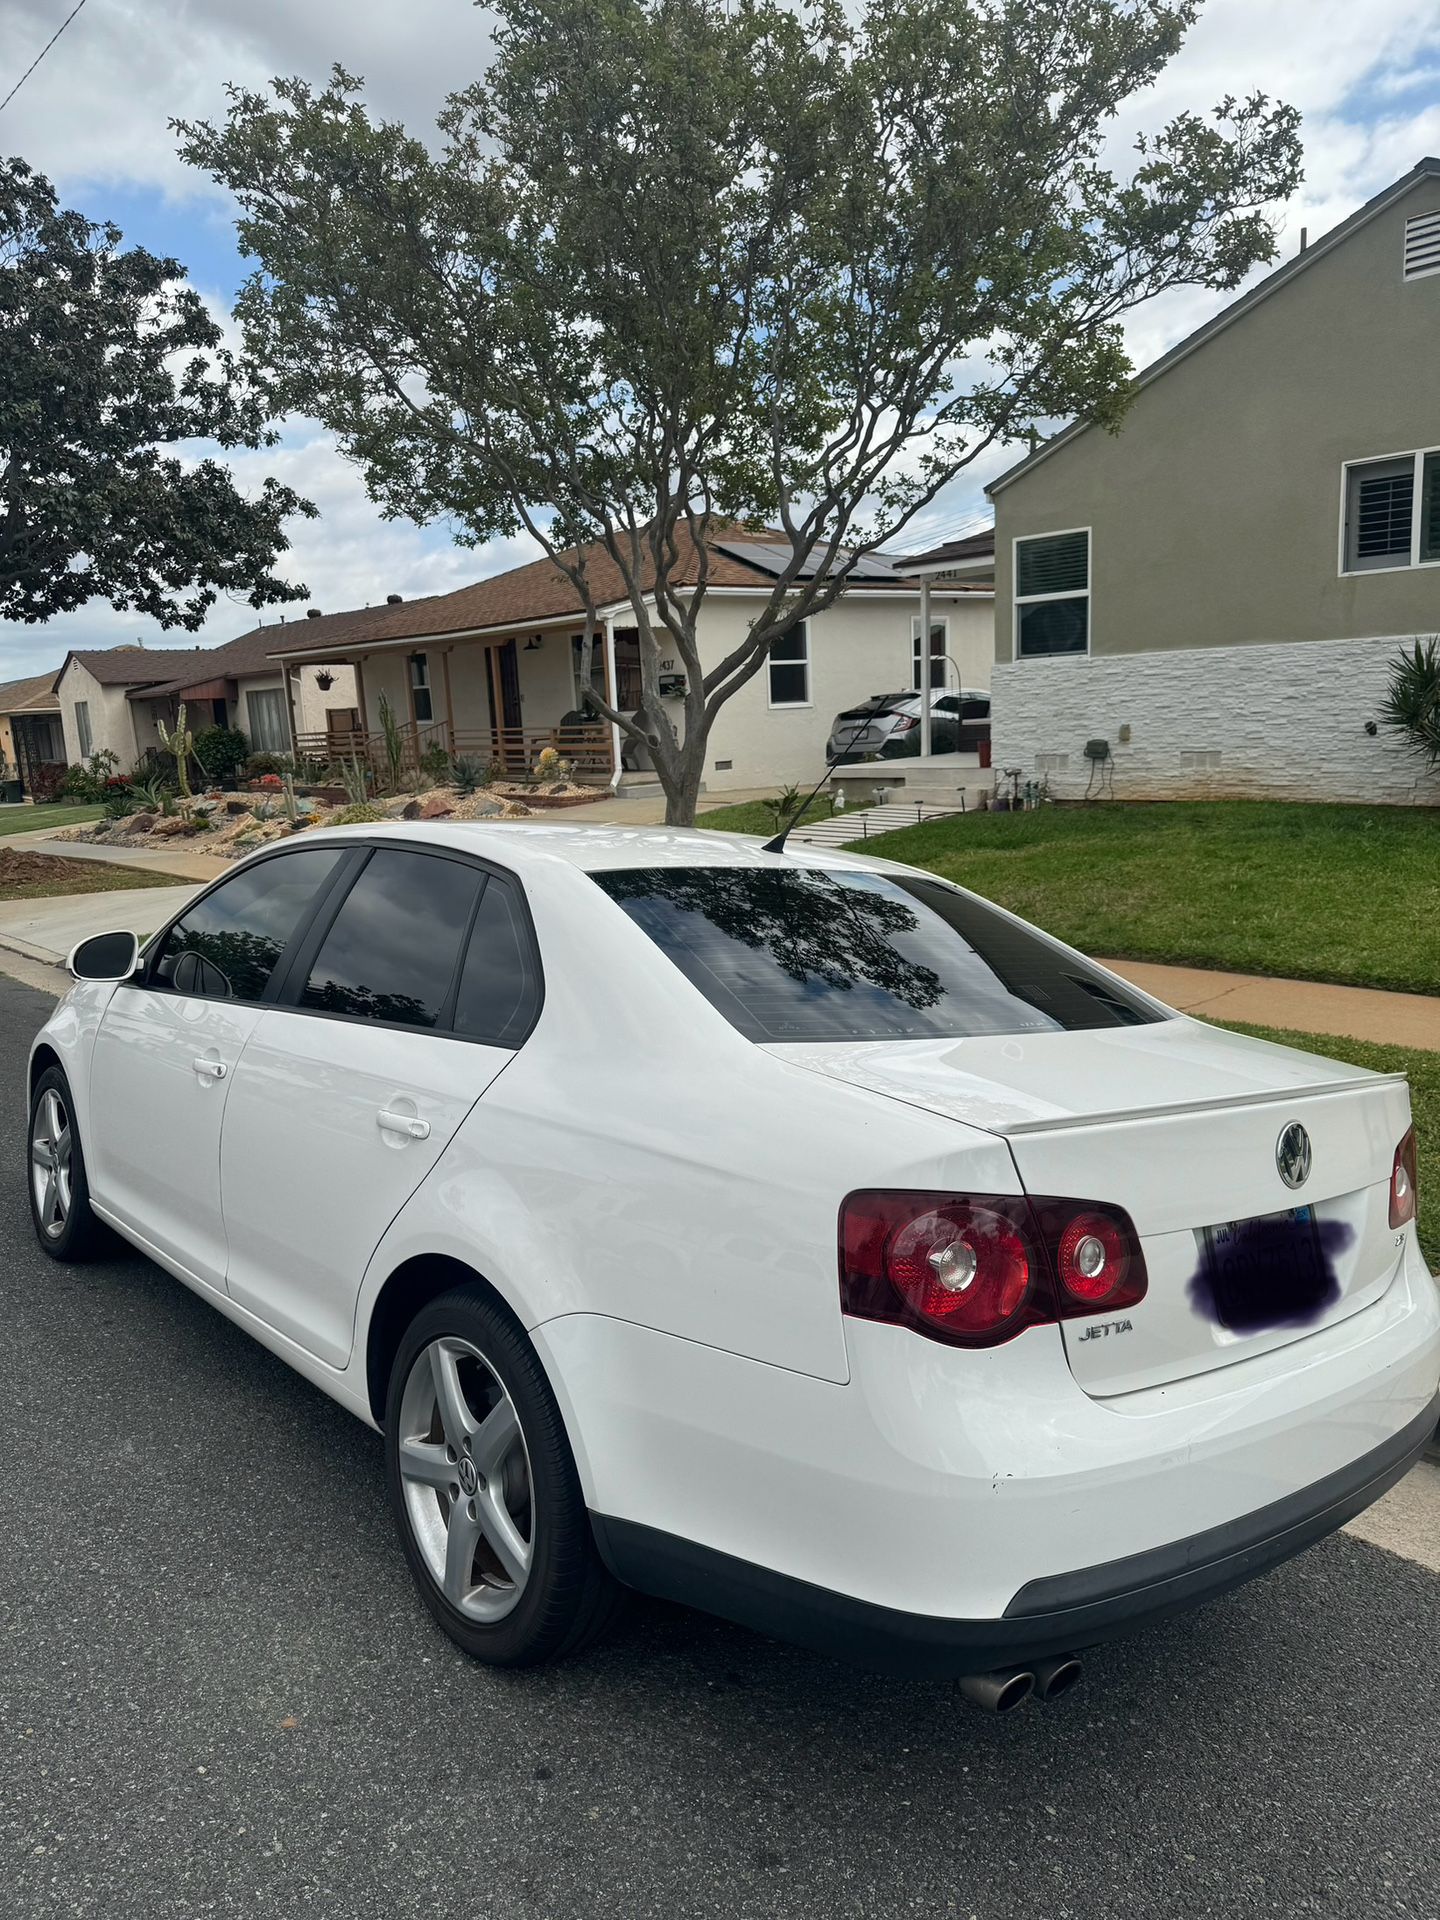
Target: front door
<point>352,1089</point>
<point>169,1045</point>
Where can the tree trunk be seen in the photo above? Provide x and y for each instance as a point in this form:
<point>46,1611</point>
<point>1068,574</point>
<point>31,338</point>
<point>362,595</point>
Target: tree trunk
<point>682,798</point>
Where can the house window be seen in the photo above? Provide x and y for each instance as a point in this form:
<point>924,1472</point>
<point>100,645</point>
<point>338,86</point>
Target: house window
<point>1422,245</point>
<point>1392,513</point>
<point>789,667</point>
<point>939,647</point>
<point>268,729</point>
<point>1052,594</point>
<point>420,688</point>
<point>82,728</point>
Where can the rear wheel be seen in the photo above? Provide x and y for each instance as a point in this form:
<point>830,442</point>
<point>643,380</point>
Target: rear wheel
<point>65,1225</point>
<point>485,1491</point>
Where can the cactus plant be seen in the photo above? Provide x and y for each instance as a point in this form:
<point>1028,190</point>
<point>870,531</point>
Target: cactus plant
<point>181,742</point>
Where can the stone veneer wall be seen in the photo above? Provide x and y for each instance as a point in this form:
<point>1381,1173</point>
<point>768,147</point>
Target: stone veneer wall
<point>1283,721</point>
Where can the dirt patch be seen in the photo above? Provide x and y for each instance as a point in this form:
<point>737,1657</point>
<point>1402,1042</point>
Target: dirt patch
<point>37,876</point>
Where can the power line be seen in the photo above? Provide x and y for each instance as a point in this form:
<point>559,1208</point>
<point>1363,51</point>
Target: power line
<point>41,55</point>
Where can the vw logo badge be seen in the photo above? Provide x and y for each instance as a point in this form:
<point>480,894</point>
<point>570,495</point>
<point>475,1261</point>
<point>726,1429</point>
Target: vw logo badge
<point>1292,1155</point>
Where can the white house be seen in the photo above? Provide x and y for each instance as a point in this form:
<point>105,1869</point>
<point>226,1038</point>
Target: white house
<point>113,699</point>
<point>492,670</point>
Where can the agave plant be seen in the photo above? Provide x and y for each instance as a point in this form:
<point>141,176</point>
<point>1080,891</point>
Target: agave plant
<point>1412,700</point>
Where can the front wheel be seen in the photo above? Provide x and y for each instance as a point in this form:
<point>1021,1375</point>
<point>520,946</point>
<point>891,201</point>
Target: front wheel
<point>65,1224</point>
<point>485,1491</point>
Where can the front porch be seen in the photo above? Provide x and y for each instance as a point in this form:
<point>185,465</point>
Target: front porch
<point>501,700</point>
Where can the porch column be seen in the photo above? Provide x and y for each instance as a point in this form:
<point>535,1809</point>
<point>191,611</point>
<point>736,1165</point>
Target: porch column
<point>449,699</point>
<point>611,689</point>
<point>290,712</point>
<point>925,665</point>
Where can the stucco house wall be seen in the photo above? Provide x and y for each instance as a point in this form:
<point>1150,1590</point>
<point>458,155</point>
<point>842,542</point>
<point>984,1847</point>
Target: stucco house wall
<point>1215,519</point>
<point>112,723</point>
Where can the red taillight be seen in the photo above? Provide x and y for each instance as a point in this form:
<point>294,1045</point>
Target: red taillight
<point>1403,1182</point>
<point>976,1269</point>
<point>904,722</point>
<point>1091,1258</point>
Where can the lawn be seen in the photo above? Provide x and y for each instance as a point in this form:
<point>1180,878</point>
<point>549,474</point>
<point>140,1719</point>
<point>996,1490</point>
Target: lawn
<point>752,817</point>
<point>1307,892</point>
<point>44,819</point>
<point>1423,1072</point>
<point>39,876</point>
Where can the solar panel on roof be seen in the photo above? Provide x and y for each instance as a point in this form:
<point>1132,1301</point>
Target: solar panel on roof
<point>771,557</point>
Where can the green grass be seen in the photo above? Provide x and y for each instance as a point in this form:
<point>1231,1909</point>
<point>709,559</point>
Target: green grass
<point>1423,1072</point>
<point>1311,892</point>
<point>44,819</point>
<point>752,817</point>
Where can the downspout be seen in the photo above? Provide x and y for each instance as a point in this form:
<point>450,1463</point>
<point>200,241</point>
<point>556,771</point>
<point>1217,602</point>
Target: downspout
<point>925,667</point>
<point>612,690</point>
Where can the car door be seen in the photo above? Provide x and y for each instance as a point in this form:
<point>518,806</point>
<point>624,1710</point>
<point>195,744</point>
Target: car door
<point>168,1046</point>
<point>387,1031</point>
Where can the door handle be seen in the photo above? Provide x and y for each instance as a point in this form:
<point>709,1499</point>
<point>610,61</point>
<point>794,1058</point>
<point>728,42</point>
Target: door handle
<point>209,1069</point>
<point>405,1124</point>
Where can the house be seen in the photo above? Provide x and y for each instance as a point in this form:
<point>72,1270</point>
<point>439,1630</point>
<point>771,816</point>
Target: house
<point>32,742</point>
<point>1216,591</point>
<point>492,670</point>
<point>114,699</point>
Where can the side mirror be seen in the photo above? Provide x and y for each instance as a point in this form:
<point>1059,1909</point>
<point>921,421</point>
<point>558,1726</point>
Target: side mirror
<point>105,956</point>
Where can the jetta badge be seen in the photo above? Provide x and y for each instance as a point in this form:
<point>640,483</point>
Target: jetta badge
<point>1292,1155</point>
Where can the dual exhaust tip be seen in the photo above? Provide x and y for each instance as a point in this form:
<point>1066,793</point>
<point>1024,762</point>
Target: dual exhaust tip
<point>1010,1687</point>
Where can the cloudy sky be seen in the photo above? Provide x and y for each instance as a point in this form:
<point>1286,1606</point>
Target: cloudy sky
<point>93,116</point>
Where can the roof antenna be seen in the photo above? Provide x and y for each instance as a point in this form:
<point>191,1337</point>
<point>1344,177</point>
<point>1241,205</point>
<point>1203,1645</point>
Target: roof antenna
<point>777,845</point>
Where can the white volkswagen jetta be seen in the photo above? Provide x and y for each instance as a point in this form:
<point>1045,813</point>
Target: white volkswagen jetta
<point>791,1234</point>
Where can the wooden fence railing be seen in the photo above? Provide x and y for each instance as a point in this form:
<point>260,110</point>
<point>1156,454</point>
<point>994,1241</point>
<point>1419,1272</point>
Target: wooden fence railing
<point>512,751</point>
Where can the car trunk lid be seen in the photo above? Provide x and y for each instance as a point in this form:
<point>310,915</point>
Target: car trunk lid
<point>1178,1125</point>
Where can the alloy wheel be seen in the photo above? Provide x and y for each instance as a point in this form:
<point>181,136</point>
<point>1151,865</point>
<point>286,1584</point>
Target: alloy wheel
<point>51,1163</point>
<point>466,1478</point>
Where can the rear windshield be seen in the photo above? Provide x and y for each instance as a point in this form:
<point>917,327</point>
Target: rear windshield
<point>801,954</point>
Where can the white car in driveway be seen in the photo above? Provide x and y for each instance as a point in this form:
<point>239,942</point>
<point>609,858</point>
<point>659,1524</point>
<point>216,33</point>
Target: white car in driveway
<point>793,1235</point>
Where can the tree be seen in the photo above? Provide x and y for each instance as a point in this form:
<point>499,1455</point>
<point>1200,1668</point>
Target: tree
<point>1411,704</point>
<point>680,262</point>
<point>105,358</point>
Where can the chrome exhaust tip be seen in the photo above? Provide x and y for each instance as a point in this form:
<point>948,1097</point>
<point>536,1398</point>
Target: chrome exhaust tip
<point>998,1692</point>
<point>1054,1677</point>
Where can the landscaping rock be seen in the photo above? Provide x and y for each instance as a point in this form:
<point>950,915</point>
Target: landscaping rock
<point>141,822</point>
<point>411,811</point>
<point>235,807</point>
<point>436,809</point>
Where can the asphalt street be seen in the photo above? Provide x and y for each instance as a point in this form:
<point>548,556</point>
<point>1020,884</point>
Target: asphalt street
<point>218,1695</point>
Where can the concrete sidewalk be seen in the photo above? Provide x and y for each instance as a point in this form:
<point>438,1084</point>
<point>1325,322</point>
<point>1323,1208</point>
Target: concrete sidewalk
<point>46,930</point>
<point>1308,1006</point>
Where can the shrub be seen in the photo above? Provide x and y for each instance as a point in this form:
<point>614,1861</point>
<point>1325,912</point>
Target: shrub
<point>469,776</point>
<point>435,764</point>
<point>260,763</point>
<point>1412,700</point>
<point>222,752</point>
<point>91,780</point>
<point>356,815</point>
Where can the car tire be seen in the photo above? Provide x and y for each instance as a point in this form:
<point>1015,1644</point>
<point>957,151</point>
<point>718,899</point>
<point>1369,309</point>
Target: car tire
<point>65,1223</point>
<point>485,1492</point>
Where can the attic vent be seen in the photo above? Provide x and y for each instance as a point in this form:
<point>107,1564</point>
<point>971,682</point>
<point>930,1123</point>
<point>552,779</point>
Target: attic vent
<point>312,613</point>
<point>1422,245</point>
<point>394,599</point>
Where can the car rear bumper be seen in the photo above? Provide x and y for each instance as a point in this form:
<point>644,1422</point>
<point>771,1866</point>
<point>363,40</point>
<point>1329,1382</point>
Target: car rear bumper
<point>980,1506</point>
<point>1057,1614</point>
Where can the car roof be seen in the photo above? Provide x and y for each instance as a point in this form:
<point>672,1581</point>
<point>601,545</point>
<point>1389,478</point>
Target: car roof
<point>523,844</point>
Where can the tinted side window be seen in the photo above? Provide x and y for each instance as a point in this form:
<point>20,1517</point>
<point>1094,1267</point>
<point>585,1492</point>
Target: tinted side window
<point>238,932</point>
<point>393,950</point>
<point>499,992</point>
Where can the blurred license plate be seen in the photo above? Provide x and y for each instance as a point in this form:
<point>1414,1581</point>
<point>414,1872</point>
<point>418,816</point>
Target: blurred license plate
<point>1266,1270</point>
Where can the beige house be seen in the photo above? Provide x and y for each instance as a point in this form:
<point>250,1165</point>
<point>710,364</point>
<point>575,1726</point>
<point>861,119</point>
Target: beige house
<point>1216,591</point>
<point>32,741</point>
<point>493,671</point>
<point>114,700</point>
